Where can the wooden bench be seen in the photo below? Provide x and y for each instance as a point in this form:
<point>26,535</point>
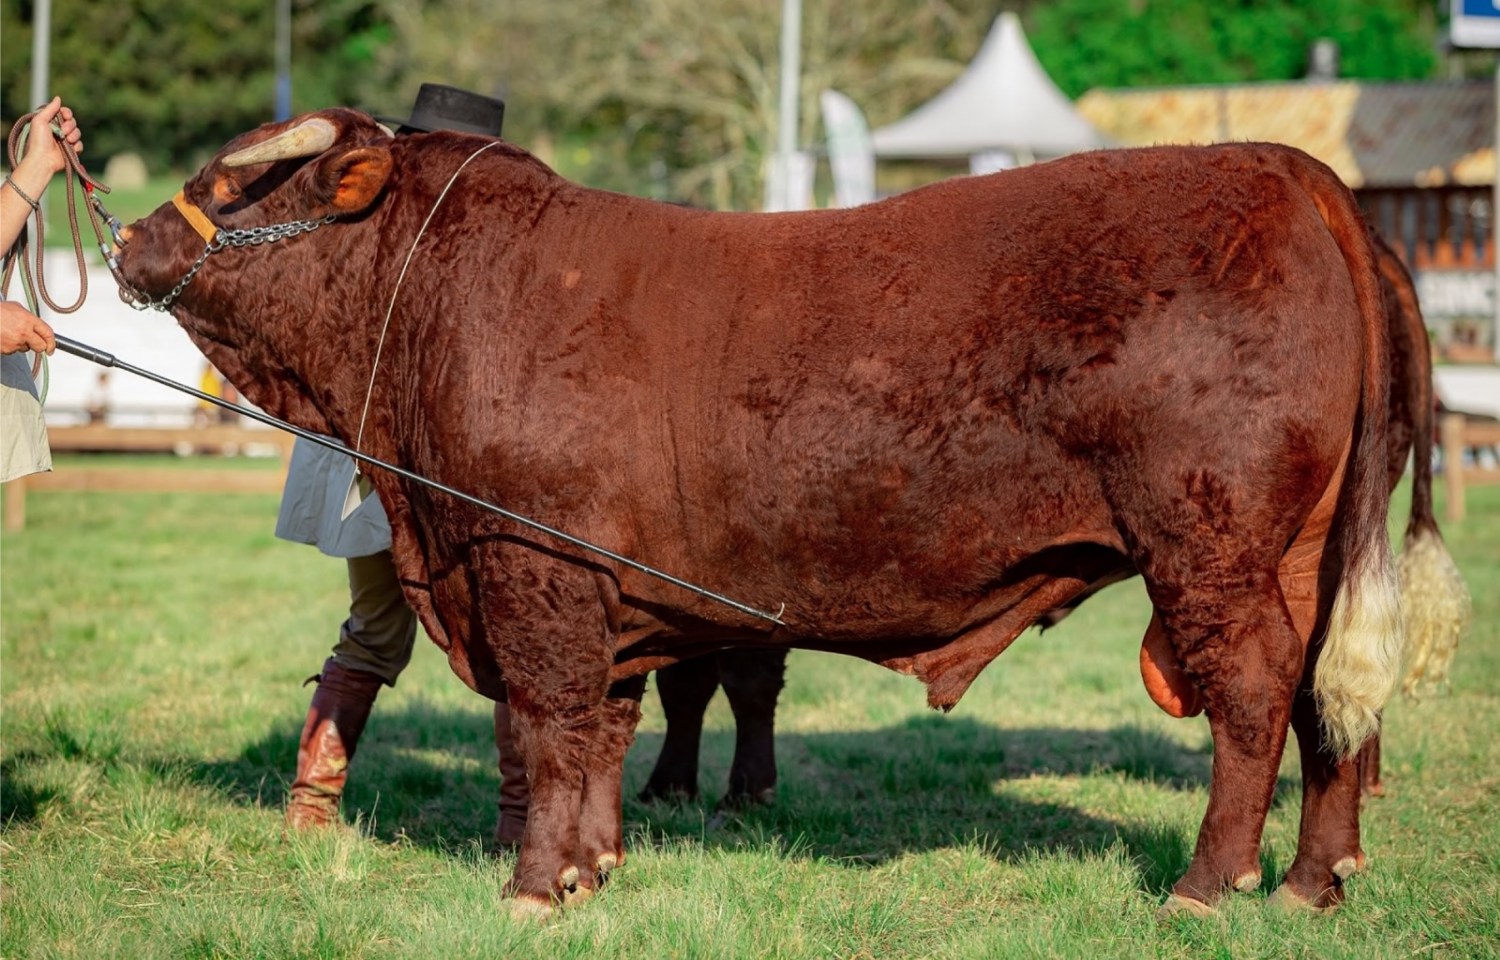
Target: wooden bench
<point>180,440</point>
<point>1458,432</point>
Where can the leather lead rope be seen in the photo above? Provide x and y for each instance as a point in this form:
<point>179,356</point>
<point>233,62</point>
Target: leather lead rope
<point>32,279</point>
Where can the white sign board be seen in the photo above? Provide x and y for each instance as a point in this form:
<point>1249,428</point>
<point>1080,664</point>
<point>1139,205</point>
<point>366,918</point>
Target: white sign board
<point>1475,23</point>
<point>850,155</point>
<point>1449,294</point>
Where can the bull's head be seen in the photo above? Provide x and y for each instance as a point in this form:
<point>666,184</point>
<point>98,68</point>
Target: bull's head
<point>185,255</point>
<point>331,163</point>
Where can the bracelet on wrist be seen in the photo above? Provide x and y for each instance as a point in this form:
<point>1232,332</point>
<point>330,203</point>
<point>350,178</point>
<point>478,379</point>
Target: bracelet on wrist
<point>22,193</point>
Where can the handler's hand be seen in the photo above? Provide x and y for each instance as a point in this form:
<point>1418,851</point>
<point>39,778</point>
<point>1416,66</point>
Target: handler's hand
<point>45,150</point>
<point>20,329</point>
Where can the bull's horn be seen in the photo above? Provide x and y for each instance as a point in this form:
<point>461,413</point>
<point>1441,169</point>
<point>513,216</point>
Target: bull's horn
<point>306,139</point>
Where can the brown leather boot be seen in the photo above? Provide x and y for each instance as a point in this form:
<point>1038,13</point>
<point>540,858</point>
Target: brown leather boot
<point>336,718</point>
<point>515,789</point>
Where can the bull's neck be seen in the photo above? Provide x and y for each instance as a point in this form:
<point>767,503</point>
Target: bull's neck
<point>295,337</point>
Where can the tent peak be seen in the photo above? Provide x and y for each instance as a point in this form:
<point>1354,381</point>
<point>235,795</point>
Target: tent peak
<point>1003,100</point>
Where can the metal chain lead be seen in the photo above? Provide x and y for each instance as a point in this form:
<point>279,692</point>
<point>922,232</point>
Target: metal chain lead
<point>148,304</point>
<point>253,236</point>
<point>246,237</point>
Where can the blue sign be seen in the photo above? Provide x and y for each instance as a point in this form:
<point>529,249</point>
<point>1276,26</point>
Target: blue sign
<point>1475,23</point>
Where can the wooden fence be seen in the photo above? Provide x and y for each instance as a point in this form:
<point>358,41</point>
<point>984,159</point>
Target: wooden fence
<point>1458,433</point>
<point>180,440</point>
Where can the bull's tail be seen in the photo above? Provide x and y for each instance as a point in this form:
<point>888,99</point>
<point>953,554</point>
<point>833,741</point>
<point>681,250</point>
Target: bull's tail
<point>1436,603</point>
<point>1360,655</point>
<point>1434,598</point>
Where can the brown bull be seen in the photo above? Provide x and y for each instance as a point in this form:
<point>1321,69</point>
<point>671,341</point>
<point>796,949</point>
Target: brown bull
<point>910,428</point>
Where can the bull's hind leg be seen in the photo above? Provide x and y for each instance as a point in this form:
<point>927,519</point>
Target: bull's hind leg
<point>1235,640</point>
<point>685,689</point>
<point>752,682</point>
<point>1328,847</point>
<point>1328,850</point>
<point>1370,784</point>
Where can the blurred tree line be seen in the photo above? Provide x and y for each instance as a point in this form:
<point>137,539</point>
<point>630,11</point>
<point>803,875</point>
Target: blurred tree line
<point>1132,43</point>
<point>668,98</point>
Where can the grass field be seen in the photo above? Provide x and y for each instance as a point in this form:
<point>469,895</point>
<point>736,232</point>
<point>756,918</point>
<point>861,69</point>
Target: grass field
<point>151,661</point>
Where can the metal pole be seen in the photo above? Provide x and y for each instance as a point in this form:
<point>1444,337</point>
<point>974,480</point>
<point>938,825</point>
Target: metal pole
<point>41,68</point>
<point>41,51</point>
<point>283,59</point>
<point>791,72</point>
<point>104,359</point>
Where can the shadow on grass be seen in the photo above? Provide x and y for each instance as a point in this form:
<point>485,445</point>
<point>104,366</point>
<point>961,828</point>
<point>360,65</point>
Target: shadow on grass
<point>426,775</point>
<point>21,800</point>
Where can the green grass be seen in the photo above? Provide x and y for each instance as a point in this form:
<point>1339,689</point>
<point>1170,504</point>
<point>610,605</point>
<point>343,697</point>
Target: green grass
<point>151,654</point>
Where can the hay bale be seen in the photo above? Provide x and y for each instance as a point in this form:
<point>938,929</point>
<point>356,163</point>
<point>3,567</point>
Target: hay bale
<point>125,171</point>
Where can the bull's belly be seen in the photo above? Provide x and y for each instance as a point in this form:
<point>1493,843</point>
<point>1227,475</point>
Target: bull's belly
<point>937,625</point>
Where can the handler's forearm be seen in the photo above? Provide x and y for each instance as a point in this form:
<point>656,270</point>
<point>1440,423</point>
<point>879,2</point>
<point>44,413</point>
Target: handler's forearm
<point>32,179</point>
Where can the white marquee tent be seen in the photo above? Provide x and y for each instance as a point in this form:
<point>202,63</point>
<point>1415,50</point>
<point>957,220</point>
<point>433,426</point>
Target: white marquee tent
<point>1003,102</point>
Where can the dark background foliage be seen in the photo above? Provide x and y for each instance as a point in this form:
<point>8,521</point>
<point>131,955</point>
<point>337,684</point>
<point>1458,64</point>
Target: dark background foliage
<point>669,98</point>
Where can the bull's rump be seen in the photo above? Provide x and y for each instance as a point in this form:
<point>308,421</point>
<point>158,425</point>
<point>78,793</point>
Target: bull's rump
<point>874,416</point>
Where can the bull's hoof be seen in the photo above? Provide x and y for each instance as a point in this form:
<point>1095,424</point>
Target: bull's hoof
<point>668,792</point>
<point>1177,906</point>
<point>571,893</point>
<point>526,908</point>
<point>603,867</point>
<point>735,802</point>
<point>1287,900</point>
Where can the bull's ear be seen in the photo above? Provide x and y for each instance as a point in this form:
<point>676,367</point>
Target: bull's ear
<point>348,181</point>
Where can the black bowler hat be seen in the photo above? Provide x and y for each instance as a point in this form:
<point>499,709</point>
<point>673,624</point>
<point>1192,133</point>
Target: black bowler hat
<point>440,107</point>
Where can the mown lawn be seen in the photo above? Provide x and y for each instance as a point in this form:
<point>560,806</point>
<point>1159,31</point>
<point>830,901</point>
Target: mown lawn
<point>151,654</point>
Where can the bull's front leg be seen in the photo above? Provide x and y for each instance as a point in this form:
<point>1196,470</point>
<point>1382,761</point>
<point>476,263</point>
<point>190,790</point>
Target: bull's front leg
<point>553,740</point>
<point>545,625</point>
<point>601,829</point>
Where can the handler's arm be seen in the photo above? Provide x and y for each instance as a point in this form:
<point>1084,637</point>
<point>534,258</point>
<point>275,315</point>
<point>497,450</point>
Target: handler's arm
<point>20,329</point>
<point>42,160</point>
